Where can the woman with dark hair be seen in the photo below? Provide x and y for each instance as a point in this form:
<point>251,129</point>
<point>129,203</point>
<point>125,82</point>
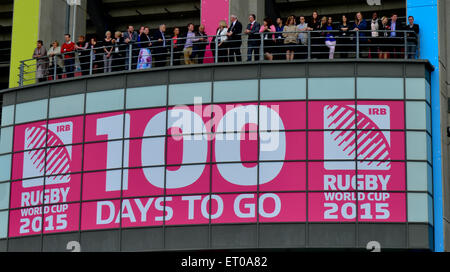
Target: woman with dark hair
<point>314,25</point>
<point>177,46</point>
<point>290,34</point>
<point>330,40</point>
<point>268,39</point>
<point>345,41</point>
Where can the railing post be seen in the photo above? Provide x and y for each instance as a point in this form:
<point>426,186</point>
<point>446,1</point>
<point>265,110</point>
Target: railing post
<point>309,44</point>
<point>405,37</point>
<point>130,56</point>
<point>171,53</point>
<point>261,46</point>
<point>91,64</point>
<point>21,71</point>
<point>357,44</point>
<point>55,65</point>
<point>216,51</point>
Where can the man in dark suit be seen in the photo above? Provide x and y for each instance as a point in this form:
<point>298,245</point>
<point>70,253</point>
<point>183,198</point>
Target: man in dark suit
<point>234,39</point>
<point>160,46</point>
<point>413,37</point>
<point>131,37</point>
<point>254,39</point>
<point>396,37</point>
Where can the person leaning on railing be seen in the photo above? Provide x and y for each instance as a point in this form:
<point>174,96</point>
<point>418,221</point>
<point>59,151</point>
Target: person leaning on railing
<point>55,59</point>
<point>40,55</point>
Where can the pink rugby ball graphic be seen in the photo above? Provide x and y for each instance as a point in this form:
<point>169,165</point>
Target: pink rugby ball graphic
<point>371,143</point>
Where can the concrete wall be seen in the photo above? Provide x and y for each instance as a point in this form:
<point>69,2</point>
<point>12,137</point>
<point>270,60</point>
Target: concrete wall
<point>53,18</point>
<point>444,61</point>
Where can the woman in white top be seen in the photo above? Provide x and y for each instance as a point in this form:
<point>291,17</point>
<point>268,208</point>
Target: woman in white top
<point>221,41</point>
<point>55,53</point>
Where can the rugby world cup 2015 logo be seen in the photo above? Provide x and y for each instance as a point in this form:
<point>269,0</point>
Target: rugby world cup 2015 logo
<point>371,144</point>
<point>52,160</point>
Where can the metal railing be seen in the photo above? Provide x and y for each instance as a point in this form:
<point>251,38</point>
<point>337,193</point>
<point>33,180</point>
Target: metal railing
<point>264,46</point>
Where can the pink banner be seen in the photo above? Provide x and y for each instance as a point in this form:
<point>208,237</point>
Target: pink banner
<point>229,150</point>
<point>212,11</point>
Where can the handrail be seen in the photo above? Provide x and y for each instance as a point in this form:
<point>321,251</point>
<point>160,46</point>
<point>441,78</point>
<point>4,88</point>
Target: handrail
<point>263,46</point>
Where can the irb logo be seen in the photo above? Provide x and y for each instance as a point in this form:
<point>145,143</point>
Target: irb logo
<point>51,159</point>
<point>371,145</point>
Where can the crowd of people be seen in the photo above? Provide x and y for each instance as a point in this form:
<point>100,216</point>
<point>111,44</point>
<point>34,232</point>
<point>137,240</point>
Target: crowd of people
<point>296,38</point>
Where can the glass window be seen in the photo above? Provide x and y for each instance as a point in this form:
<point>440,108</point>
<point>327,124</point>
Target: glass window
<point>31,111</point>
<point>420,208</point>
<point>7,115</point>
<point>66,106</point>
<point>283,89</point>
<point>331,88</point>
<point>416,115</point>
<point>419,176</point>
<point>4,195</point>
<point>147,97</point>
<point>104,101</point>
<point>428,109</point>
<point>415,88</point>
<point>416,145</point>
<point>6,139</point>
<point>3,224</point>
<point>235,91</point>
<point>184,94</point>
<point>380,88</point>
<point>5,167</point>
<point>428,91</point>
